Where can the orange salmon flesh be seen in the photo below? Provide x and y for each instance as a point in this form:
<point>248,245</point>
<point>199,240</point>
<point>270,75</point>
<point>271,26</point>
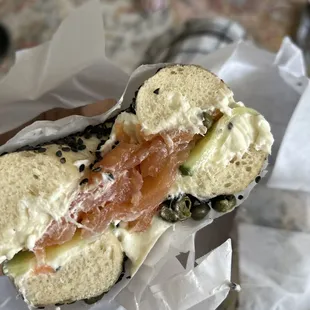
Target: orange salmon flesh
<point>140,172</point>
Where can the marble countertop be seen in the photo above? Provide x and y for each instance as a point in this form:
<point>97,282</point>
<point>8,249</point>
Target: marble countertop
<point>267,21</point>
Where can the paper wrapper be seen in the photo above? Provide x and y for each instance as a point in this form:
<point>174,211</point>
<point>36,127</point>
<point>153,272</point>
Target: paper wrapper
<point>72,71</point>
<point>275,273</point>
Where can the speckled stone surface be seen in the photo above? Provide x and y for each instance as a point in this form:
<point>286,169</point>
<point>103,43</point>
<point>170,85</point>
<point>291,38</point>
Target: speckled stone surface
<point>267,21</point>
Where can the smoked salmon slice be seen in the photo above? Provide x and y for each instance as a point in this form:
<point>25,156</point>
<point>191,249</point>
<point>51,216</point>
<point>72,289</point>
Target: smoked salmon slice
<point>141,170</point>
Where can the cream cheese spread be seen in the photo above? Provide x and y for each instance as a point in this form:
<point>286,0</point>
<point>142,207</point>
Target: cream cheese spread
<point>138,245</point>
<point>228,144</point>
<point>247,129</point>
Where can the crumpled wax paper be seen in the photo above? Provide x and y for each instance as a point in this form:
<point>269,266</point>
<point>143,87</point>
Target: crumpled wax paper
<point>70,71</point>
<point>275,273</point>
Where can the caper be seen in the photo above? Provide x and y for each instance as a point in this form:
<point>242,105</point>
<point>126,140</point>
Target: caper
<point>182,207</point>
<point>207,120</point>
<point>168,214</point>
<point>224,203</point>
<point>200,211</point>
<point>185,170</point>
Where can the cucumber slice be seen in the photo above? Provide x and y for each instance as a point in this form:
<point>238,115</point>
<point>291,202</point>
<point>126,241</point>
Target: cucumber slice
<point>19,265</point>
<point>25,261</point>
<point>214,138</point>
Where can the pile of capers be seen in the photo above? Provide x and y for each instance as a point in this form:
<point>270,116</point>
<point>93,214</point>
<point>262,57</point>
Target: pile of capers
<point>186,206</point>
<point>182,208</point>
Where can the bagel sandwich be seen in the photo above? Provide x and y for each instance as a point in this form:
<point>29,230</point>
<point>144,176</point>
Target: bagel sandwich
<point>75,208</point>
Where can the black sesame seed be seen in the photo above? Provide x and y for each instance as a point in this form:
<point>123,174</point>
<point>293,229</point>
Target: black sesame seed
<point>81,147</point>
<point>40,307</point>
<point>102,142</point>
<point>128,277</point>
<point>27,148</point>
<point>81,168</point>
<point>59,153</point>
<point>80,141</point>
<point>89,128</point>
<point>41,150</point>
<point>97,169</point>
<point>240,197</point>
<point>58,268</point>
<point>66,149</point>
<point>63,160</point>
<point>4,153</point>
<point>115,144</point>
<point>73,144</point>
<point>99,135</point>
<point>87,135</point>
<point>98,155</point>
<point>132,107</point>
<point>156,91</point>
<point>74,149</point>
<point>110,176</point>
<point>230,125</point>
<point>95,129</point>
<point>257,179</point>
<point>84,181</point>
<point>91,166</point>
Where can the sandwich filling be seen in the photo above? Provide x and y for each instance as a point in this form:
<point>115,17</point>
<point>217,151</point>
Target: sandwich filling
<point>136,171</point>
<point>136,175</point>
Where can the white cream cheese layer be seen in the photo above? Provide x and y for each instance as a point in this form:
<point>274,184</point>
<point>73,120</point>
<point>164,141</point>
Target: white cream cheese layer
<point>179,114</point>
<point>246,129</point>
<point>34,211</point>
<point>138,245</point>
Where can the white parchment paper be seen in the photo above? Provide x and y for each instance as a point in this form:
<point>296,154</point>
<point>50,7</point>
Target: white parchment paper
<point>70,71</point>
<point>275,273</point>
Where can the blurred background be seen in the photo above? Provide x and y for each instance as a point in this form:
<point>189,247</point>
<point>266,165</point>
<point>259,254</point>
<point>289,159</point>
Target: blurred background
<point>132,25</point>
<point>151,31</point>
